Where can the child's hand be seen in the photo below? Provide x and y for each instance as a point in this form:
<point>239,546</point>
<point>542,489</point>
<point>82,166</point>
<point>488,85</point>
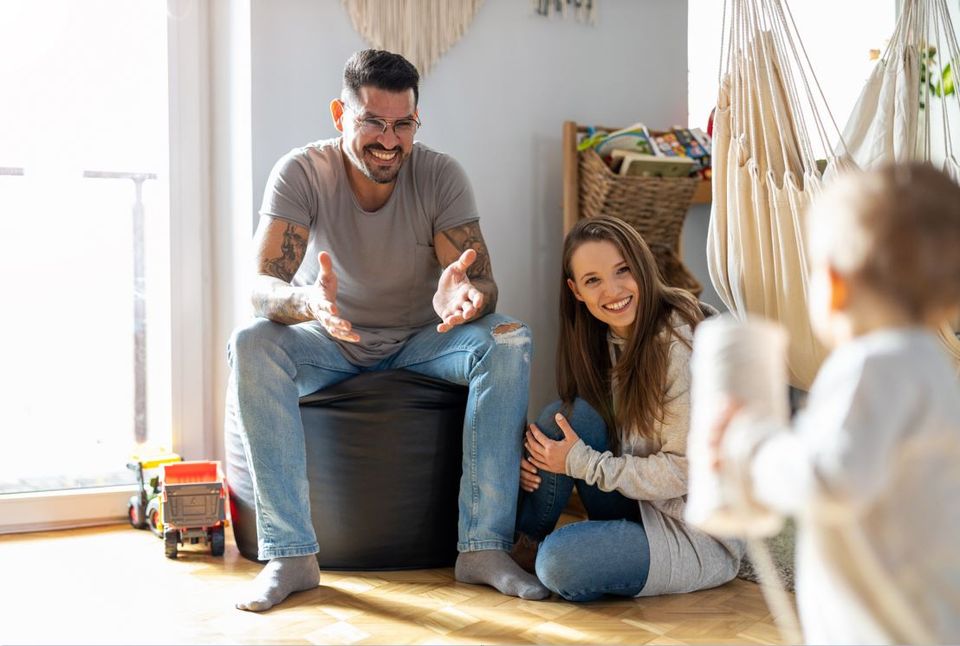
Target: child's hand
<point>529,480</point>
<point>549,454</point>
<point>719,430</point>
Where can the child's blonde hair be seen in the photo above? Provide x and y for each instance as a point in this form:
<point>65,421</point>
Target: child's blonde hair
<point>895,230</point>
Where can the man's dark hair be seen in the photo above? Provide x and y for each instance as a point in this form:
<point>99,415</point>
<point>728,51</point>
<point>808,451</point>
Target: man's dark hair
<point>380,69</point>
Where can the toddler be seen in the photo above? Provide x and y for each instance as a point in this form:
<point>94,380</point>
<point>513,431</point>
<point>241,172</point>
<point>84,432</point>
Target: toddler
<point>871,466</point>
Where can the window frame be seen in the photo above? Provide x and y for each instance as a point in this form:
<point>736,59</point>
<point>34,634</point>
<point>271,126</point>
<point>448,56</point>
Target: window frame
<point>192,415</point>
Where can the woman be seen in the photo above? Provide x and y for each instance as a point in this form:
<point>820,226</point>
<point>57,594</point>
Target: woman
<point>619,432</point>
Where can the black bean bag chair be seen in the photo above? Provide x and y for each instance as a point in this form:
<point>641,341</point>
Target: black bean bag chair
<point>384,461</point>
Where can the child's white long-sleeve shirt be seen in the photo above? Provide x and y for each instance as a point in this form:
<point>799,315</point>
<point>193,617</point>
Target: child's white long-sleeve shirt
<point>872,471</point>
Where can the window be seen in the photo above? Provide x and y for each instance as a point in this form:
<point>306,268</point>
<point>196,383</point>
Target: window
<point>84,240</point>
<point>841,57</point>
<point>101,97</point>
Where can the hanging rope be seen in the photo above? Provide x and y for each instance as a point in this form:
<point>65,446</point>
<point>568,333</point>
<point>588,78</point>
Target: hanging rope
<point>766,173</point>
<point>892,119</point>
<point>420,30</point>
<point>742,361</point>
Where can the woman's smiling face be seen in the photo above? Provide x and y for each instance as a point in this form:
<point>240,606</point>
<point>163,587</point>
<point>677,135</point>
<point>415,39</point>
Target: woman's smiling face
<point>602,281</point>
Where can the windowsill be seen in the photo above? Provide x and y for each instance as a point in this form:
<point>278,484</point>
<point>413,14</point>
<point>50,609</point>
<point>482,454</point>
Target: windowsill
<point>50,510</point>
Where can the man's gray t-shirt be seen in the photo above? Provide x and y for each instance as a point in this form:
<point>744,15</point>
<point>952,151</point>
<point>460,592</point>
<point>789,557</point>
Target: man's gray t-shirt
<point>385,261</point>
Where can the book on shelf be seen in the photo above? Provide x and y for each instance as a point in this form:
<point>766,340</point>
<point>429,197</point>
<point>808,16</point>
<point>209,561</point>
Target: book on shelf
<point>668,145</point>
<point>636,138</point>
<point>695,144</point>
<point>691,145</point>
<point>677,143</point>
<point>703,138</point>
<point>634,164</point>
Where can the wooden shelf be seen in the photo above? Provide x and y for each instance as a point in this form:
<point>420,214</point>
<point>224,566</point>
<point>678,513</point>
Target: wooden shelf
<point>704,193</point>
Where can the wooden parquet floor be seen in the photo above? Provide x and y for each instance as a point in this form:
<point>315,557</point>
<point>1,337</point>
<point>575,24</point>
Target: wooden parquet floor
<point>113,585</point>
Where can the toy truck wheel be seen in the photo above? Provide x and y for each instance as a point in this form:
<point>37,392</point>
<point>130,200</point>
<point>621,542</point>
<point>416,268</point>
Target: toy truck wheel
<point>170,539</point>
<point>153,517</point>
<point>217,541</point>
<point>135,513</point>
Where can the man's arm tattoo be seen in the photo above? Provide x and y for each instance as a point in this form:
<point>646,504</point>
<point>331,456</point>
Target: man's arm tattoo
<point>469,237</point>
<point>283,311</point>
<point>293,248</point>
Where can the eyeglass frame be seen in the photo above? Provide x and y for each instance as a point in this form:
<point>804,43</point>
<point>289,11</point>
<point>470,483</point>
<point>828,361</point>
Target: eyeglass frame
<point>392,123</point>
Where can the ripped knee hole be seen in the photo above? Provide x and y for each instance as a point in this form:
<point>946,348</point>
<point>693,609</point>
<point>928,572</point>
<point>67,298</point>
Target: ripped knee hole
<point>505,328</point>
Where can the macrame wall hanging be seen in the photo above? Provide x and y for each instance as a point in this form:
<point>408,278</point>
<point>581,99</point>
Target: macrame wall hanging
<point>420,30</point>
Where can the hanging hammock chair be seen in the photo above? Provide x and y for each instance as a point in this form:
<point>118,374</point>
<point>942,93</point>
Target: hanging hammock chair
<point>765,169</point>
<point>906,98</point>
<point>766,173</point>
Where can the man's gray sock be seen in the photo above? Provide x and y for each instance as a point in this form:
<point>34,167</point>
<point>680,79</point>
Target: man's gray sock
<point>497,569</point>
<point>278,579</point>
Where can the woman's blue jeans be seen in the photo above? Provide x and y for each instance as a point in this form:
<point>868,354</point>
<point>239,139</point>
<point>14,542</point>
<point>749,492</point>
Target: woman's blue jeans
<point>607,554</point>
<point>273,365</point>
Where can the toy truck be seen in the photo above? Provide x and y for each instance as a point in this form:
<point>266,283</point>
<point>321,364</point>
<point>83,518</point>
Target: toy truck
<point>143,508</point>
<point>193,506</point>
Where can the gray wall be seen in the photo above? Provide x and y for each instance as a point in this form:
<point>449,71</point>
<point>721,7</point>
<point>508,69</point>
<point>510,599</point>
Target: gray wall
<point>496,101</point>
<point>694,252</point>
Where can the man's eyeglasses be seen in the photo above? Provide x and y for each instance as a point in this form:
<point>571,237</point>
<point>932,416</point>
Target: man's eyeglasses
<point>374,126</point>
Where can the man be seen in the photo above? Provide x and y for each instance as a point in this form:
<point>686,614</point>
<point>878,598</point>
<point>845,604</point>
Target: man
<point>353,235</point>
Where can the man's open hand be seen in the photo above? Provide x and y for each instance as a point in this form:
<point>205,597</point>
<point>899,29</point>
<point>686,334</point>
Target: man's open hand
<point>323,302</point>
<point>457,300</point>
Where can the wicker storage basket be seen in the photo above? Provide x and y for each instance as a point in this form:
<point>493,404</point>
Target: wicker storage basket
<point>654,206</point>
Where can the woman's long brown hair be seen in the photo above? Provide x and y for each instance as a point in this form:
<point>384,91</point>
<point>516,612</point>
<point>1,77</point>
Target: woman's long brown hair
<point>583,360</point>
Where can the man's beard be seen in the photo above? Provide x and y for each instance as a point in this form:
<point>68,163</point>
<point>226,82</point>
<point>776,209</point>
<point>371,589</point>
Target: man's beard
<point>374,174</point>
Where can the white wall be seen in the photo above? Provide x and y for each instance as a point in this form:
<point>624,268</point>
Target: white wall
<point>496,101</point>
<point>231,190</point>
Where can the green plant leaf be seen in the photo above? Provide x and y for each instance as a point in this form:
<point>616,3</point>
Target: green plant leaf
<point>945,84</point>
<point>948,81</point>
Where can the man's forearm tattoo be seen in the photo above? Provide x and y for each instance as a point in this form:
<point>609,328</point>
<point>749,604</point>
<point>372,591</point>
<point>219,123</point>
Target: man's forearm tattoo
<point>279,310</point>
<point>468,237</point>
<point>293,248</point>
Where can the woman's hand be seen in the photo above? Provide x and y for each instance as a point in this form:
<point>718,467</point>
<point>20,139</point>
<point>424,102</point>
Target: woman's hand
<point>547,454</point>
<point>529,480</point>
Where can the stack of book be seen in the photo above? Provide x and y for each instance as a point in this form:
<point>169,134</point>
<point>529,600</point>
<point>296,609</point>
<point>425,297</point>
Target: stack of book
<point>636,151</point>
